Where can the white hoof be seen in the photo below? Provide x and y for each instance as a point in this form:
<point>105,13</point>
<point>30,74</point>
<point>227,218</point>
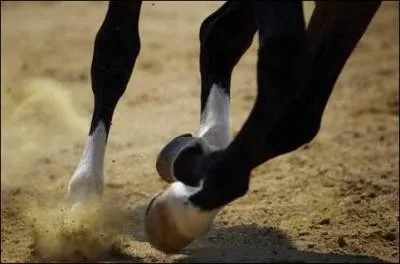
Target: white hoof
<point>172,222</point>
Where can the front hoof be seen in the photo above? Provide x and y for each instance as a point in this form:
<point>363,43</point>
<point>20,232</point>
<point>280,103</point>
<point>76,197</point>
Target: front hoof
<point>172,222</point>
<point>168,155</point>
<point>162,231</point>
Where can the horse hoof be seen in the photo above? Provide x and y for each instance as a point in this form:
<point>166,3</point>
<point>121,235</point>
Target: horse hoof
<point>161,228</point>
<point>172,222</point>
<point>168,155</point>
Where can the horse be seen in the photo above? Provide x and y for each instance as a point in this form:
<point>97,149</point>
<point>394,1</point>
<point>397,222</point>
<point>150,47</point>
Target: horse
<point>297,68</point>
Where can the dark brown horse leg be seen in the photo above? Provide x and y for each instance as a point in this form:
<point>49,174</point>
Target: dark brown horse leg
<point>116,48</point>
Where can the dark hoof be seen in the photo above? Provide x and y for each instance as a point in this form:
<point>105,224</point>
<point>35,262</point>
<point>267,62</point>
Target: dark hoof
<point>169,153</point>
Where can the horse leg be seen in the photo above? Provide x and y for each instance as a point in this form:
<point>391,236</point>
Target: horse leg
<point>282,63</point>
<point>224,37</point>
<point>333,33</point>
<point>116,48</point>
<point>296,71</point>
<point>181,213</point>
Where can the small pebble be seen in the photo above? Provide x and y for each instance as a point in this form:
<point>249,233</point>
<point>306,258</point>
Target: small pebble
<point>342,242</point>
<point>304,233</point>
<point>325,221</point>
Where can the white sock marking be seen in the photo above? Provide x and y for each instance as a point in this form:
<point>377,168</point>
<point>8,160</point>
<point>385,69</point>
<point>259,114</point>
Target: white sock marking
<point>87,180</point>
<point>214,121</point>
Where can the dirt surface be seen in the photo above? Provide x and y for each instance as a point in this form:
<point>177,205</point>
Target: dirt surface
<point>333,200</point>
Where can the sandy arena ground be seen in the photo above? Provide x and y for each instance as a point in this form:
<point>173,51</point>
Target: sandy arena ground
<point>333,200</point>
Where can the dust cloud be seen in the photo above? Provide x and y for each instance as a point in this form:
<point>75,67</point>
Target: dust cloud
<point>91,234</point>
<point>38,116</point>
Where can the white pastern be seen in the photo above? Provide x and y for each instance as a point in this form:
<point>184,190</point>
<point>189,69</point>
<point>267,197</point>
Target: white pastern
<point>214,121</point>
<point>87,181</point>
<point>190,220</point>
<point>214,129</point>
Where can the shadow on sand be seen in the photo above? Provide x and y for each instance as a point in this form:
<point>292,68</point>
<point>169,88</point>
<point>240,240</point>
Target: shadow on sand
<point>249,243</point>
<point>259,244</point>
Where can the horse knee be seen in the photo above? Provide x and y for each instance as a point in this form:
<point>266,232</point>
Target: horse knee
<point>229,30</point>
